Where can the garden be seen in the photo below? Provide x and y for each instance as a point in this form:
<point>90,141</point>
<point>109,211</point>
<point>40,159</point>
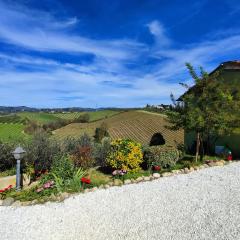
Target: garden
<point>57,169</point>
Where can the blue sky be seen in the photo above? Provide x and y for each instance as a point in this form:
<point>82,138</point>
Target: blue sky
<point>123,53</point>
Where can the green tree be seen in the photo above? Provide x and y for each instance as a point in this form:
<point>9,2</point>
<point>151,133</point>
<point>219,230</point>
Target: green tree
<point>206,108</point>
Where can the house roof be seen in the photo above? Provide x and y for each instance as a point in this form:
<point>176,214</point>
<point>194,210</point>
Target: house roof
<point>229,65</point>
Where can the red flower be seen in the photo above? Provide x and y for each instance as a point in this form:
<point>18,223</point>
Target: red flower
<point>157,168</point>
<point>85,180</point>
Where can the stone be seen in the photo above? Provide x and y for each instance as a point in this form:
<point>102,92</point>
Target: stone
<point>117,182</point>
<point>211,164</point>
<point>106,186</point>
<point>156,175</point>
<point>139,179</point>
<point>27,203</point>
<point>8,201</point>
<point>133,180</point>
<point>191,169</point>
<point>34,202</point>
<point>64,195</point>
<point>176,171</point>
<point>127,181</point>
<point>186,170</point>
<point>94,189</point>
<point>1,201</point>
<point>110,184</point>
<point>201,167</point>
<point>166,174</point>
<point>17,204</point>
<point>146,178</point>
<point>219,163</point>
<point>87,190</point>
<point>196,168</point>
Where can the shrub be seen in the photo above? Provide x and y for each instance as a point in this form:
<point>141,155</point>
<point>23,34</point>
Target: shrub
<point>7,160</point>
<point>125,155</point>
<point>101,132</point>
<point>101,151</point>
<point>83,152</point>
<point>164,156</point>
<point>41,151</point>
<point>84,118</point>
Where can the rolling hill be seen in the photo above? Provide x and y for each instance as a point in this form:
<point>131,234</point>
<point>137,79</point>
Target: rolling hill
<point>137,125</point>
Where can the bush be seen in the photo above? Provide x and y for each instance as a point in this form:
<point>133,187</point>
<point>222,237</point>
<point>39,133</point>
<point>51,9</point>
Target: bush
<point>84,118</point>
<point>164,156</point>
<point>101,132</point>
<point>125,155</point>
<point>101,151</point>
<point>83,152</point>
<point>7,160</point>
<point>41,151</point>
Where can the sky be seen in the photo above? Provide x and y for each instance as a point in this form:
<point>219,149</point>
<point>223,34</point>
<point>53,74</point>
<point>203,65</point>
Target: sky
<point>109,53</point>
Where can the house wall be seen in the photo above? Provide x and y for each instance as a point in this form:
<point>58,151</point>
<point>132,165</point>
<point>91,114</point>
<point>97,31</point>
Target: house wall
<point>232,142</point>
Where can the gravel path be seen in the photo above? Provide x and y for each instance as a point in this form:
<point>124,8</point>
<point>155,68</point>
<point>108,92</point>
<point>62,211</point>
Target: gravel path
<point>200,205</point>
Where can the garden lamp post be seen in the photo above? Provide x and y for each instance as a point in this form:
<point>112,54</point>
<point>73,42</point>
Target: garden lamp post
<point>18,155</point>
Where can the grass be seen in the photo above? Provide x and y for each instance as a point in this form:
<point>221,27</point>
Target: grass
<point>11,132</point>
<point>8,172</point>
<point>98,178</point>
<point>39,117</point>
<point>94,116</point>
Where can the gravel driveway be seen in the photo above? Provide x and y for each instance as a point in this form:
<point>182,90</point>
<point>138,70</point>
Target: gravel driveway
<point>200,205</point>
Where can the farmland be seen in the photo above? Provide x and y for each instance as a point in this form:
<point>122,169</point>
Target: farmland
<point>136,125</point>
<point>11,131</point>
<point>12,125</point>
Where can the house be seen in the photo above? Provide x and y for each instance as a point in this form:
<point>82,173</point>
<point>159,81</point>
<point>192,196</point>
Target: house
<point>229,73</point>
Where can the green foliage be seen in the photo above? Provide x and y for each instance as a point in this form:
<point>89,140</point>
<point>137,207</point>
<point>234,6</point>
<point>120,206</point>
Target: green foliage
<point>101,151</point>
<point>101,132</point>
<point>164,156</point>
<point>40,151</point>
<point>84,118</point>
<point>206,108</point>
<point>7,160</point>
<point>83,152</point>
<point>126,155</point>
<point>10,132</point>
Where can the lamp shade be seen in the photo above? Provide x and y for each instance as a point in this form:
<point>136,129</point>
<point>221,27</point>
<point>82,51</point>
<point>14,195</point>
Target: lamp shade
<point>18,153</point>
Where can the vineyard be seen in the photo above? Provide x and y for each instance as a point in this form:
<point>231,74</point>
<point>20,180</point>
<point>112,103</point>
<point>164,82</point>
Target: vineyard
<point>11,131</point>
<point>136,125</point>
<point>12,125</point>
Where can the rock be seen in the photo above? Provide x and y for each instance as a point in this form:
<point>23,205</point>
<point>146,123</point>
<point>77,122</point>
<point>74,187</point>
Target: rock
<point>191,169</point>
<point>211,164</point>
<point>146,178</point>
<point>186,170</point>
<point>64,195</point>
<point>101,187</point>
<point>176,171</point>
<point>8,201</point>
<point>166,174</point>
<point>133,180</point>
<point>110,184</point>
<point>87,190</point>
<point>1,201</point>
<point>219,163</point>
<point>17,204</point>
<point>94,189</point>
<point>27,203</point>
<point>156,175</point>
<point>196,168</point>
<point>106,186</point>
<point>127,181</point>
<point>139,179</point>
<point>201,167</point>
<point>117,182</point>
<point>34,202</point>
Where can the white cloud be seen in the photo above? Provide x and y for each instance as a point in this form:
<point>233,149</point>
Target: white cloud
<point>157,29</point>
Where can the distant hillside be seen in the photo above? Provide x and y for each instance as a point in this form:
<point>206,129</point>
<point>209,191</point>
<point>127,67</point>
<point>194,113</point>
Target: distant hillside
<point>137,125</point>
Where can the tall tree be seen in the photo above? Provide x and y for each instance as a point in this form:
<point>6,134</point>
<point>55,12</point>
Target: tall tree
<point>206,108</point>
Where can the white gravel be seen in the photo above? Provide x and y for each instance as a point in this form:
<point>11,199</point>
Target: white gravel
<point>200,205</point>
